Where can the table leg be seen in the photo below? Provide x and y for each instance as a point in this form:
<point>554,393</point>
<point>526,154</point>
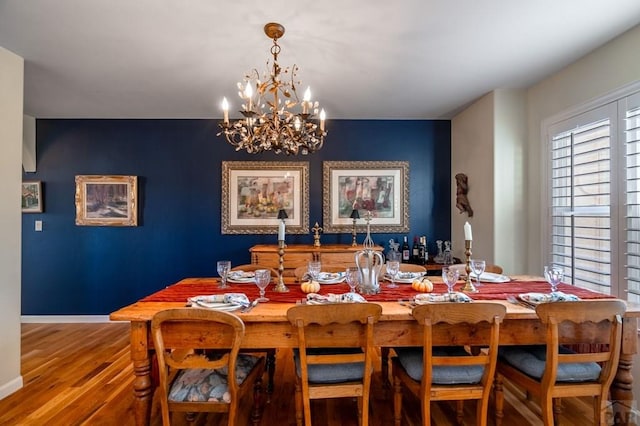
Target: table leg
<point>622,386</point>
<point>622,391</point>
<point>142,389</point>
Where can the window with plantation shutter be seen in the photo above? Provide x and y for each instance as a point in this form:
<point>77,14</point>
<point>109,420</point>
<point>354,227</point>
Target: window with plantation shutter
<point>631,108</point>
<point>593,197</point>
<point>580,202</point>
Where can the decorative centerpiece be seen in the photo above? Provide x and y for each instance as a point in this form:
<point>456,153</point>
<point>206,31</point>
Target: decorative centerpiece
<point>468,285</point>
<point>280,287</point>
<point>369,263</point>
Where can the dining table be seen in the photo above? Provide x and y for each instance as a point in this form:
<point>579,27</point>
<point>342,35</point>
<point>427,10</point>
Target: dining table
<point>266,324</point>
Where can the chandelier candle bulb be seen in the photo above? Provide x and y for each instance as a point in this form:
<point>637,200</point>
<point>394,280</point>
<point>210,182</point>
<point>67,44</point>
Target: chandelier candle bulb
<point>225,110</point>
<point>322,117</point>
<point>306,100</point>
<point>467,231</point>
<point>248,92</point>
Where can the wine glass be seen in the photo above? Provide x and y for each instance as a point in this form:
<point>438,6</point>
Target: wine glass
<point>553,275</point>
<point>313,268</point>
<point>393,266</point>
<point>477,266</point>
<point>353,278</point>
<point>223,266</point>
<point>450,277</point>
<point>263,278</point>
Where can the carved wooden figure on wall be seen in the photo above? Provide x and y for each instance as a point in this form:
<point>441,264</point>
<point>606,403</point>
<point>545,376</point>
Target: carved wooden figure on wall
<point>462,187</point>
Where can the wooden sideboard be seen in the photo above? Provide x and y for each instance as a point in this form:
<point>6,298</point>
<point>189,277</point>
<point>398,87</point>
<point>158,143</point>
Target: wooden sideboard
<point>300,254</point>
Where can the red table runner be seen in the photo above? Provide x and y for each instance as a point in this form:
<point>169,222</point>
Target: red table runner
<point>191,287</point>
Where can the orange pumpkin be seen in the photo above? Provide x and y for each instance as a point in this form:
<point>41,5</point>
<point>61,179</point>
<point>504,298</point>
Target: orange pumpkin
<point>422,285</point>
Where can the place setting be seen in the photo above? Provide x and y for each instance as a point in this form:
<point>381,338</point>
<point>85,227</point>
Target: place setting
<point>554,276</point>
<point>450,277</point>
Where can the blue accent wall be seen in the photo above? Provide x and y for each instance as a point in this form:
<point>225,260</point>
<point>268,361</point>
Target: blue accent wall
<point>91,270</point>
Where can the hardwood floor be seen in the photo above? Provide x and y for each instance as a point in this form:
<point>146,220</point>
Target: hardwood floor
<point>80,374</point>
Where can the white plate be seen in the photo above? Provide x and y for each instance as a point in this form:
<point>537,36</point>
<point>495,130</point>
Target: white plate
<point>241,280</point>
<point>331,277</point>
<point>406,277</point>
<point>218,306</point>
<point>490,277</point>
<point>241,277</point>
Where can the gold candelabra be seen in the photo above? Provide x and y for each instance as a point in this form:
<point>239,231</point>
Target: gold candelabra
<point>280,287</point>
<point>317,229</point>
<point>468,285</point>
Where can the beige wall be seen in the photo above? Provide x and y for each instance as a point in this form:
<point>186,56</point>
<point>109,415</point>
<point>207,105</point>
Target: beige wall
<point>487,144</point>
<point>509,179</point>
<point>472,146</point>
<point>11,106</point>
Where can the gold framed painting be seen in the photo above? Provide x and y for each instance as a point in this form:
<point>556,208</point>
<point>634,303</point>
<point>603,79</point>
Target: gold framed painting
<point>254,191</point>
<point>381,187</point>
<point>106,200</point>
<point>32,196</point>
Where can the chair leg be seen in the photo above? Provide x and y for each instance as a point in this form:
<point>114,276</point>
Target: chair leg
<point>384,356</point>
<point>600,410</point>
<point>363,415</point>
<point>271,371</point>
<point>499,399</point>
<point>460,411</point>
<point>397,401</point>
<point>256,411</point>
<point>190,417</point>
<point>546,406</point>
<point>425,408</point>
<point>557,410</point>
<point>482,410</point>
<point>298,403</point>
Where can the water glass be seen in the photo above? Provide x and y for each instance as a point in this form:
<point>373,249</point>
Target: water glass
<point>352,275</point>
<point>553,275</point>
<point>314,268</point>
<point>223,266</point>
<point>393,267</point>
<point>263,278</point>
<point>450,277</point>
<point>478,266</point>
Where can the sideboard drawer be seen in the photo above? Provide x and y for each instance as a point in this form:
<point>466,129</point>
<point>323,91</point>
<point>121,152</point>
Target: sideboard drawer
<point>296,255</point>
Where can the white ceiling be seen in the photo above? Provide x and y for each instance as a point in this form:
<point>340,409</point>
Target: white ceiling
<point>364,59</point>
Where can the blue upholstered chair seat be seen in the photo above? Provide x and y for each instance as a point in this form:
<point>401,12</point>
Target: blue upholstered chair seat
<point>331,373</point>
<point>411,361</point>
<point>197,384</point>
<point>531,360</point>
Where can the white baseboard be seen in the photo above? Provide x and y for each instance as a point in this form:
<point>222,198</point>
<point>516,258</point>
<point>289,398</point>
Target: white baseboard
<point>10,387</point>
<point>64,318</point>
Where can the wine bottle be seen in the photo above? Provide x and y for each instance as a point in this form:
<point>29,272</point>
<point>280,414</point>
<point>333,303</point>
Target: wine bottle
<point>422,248</point>
<point>406,254</point>
<point>415,251</point>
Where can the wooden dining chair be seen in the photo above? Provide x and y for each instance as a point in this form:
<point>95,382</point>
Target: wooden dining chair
<point>330,368</point>
<point>252,267</point>
<point>496,269</point>
<point>446,373</point>
<point>271,352</point>
<point>553,371</point>
<point>196,348</point>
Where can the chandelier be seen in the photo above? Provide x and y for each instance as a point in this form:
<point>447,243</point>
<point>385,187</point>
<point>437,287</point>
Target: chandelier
<point>270,121</point>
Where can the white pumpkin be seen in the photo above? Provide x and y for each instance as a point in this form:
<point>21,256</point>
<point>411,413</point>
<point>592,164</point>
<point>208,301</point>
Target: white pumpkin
<point>310,286</point>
